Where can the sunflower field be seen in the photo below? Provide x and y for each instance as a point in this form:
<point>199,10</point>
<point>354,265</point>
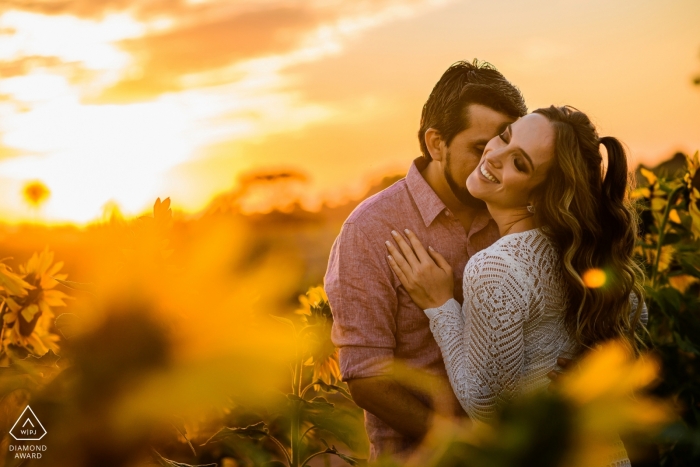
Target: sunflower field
<point>190,341</point>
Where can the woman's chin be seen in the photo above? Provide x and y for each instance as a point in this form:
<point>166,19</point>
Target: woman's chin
<point>476,189</point>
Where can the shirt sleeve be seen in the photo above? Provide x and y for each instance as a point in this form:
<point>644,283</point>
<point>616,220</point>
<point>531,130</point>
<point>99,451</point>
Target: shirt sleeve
<point>484,352</point>
<point>363,301</point>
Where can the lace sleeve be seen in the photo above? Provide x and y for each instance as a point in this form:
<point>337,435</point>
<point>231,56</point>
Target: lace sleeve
<point>484,352</point>
<point>634,303</point>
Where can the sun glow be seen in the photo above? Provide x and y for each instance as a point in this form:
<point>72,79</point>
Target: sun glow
<point>117,103</point>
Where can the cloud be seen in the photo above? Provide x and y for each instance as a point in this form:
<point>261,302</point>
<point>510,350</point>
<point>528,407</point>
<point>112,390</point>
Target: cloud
<point>164,58</point>
<point>93,9</point>
<point>110,105</point>
<point>167,44</point>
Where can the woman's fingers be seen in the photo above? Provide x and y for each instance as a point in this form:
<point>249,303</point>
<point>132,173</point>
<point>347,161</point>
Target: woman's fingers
<point>399,260</point>
<point>439,259</point>
<point>399,273</point>
<point>418,248</point>
<point>406,249</point>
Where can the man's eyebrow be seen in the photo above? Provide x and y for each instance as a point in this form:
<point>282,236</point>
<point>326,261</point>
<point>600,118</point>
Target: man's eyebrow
<point>522,151</point>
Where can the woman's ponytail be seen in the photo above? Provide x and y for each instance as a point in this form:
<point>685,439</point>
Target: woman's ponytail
<point>615,181</point>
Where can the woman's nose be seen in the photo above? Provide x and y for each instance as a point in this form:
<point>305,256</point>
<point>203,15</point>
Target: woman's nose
<point>494,158</point>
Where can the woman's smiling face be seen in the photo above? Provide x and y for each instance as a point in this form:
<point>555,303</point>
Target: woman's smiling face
<point>514,163</point>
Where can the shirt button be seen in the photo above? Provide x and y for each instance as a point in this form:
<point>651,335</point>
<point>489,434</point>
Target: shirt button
<point>447,213</point>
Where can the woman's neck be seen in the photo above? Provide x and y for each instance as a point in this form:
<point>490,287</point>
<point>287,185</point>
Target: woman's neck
<point>512,220</point>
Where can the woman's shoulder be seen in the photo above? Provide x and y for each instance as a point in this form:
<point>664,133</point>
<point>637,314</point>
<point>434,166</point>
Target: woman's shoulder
<point>520,256</point>
<point>517,248</point>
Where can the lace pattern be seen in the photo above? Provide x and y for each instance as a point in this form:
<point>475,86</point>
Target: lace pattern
<point>511,329</point>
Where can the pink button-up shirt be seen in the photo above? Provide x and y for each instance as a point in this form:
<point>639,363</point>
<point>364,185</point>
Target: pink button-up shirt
<point>375,321</point>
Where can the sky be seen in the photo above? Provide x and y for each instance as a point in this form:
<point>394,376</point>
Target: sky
<point>116,102</point>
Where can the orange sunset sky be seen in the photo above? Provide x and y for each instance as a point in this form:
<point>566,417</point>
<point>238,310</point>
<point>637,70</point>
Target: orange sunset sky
<point>117,102</point>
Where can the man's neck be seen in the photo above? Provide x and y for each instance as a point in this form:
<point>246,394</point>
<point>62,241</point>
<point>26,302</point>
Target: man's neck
<point>433,175</point>
<point>436,180</point>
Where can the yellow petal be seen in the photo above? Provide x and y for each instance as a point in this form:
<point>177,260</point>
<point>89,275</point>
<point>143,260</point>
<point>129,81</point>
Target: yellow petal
<point>658,204</point>
<point>55,268</point>
<point>36,344</point>
<point>649,175</point>
<point>674,217</point>
<point>54,297</point>
<point>682,282</point>
<point>29,312</point>
<point>640,193</point>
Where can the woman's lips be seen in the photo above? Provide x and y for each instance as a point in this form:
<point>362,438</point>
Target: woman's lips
<point>486,174</point>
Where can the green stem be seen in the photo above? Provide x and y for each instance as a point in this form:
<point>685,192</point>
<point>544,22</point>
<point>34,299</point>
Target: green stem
<point>186,439</point>
<point>309,429</point>
<point>309,386</point>
<point>662,228</point>
<point>282,448</point>
<point>296,390</point>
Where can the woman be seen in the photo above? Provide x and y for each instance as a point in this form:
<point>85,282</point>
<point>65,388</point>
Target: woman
<point>525,302</point>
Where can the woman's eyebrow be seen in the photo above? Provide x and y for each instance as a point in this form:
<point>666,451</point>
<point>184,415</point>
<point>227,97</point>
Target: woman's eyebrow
<point>526,155</point>
<point>522,151</point>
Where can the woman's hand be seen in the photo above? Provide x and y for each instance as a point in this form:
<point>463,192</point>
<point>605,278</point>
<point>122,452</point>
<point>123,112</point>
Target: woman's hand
<point>425,275</point>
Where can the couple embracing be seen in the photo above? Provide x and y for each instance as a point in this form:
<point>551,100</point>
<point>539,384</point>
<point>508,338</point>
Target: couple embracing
<point>470,268</point>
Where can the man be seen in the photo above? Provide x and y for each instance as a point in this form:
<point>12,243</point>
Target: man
<point>375,322</point>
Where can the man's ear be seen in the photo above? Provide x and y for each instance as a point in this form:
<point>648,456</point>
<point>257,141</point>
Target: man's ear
<point>436,146</point>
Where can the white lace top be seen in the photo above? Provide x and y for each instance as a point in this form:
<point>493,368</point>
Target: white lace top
<point>511,330</point>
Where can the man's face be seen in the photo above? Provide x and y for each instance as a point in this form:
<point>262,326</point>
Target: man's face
<point>464,152</point>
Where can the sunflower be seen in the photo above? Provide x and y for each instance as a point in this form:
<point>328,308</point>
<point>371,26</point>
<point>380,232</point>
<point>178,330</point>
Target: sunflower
<point>27,317</point>
<point>692,179</point>
<point>322,354</point>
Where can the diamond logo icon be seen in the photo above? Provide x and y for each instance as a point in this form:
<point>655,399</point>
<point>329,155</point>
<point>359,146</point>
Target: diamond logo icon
<point>28,427</point>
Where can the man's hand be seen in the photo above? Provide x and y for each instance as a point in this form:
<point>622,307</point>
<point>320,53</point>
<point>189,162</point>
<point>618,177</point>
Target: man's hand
<point>393,404</point>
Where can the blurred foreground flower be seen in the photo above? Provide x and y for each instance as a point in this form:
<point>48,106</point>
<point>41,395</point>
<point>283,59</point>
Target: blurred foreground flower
<point>608,400</point>
<point>692,179</point>
<point>577,426</point>
<point>27,308</point>
<point>306,416</point>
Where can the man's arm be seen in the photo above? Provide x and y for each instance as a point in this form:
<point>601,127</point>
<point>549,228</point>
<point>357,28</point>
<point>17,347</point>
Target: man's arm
<point>393,404</point>
<point>363,301</point>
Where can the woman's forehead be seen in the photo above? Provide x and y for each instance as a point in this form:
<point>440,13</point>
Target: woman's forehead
<point>534,134</point>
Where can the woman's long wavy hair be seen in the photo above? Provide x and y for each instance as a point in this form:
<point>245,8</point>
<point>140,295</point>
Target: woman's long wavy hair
<point>589,217</point>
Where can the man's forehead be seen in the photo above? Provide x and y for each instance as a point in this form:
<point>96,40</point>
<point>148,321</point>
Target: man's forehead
<point>480,118</point>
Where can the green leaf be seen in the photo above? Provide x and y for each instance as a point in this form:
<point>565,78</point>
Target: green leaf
<point>350,460</point>
<point>316,406</point>
<point>48,359</point>
<point>346,424</point>
<point>68,324</point>
<point>333,388</point>
<point>685,344</point>
<point>85,287</point>
<point>162,461</point>
<point>283,320</point>
<point>256,431</point>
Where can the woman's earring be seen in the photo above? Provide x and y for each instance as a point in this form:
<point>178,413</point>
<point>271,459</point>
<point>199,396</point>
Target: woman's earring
<point>530,208</point>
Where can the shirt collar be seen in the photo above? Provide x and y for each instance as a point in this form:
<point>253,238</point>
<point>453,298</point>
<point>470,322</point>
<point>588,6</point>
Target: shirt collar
<point>428,203</point>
